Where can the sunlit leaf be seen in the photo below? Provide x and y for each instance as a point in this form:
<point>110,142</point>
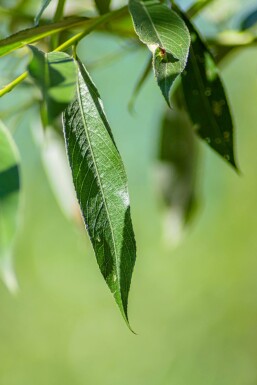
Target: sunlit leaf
<point>44,5</point>
<point>101,186</point>
<point>31,35</point>
<point>55,74</point>
<point>206,98</point>
<point>166,35</point>
<point>177,171</point>
<point>103,6</point>
<point>9,204</point>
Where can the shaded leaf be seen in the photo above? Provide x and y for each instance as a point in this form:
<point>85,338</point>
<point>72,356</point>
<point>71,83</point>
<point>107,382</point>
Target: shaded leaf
<point>177,171</point>
<point>31,35</point>
<point>103,6</point>
<point>166,35</point>
<point>101,186</point>
<point>206,98</point>
<point>9,204</point>
<point>44,5</point>
<point>249,21</point>
<point>55,74</point>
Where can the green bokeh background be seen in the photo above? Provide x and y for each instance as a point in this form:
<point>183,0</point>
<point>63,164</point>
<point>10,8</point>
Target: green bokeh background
<point>194,308</point>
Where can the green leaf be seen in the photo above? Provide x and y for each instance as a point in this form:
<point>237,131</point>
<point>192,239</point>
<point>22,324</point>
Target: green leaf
<point>101,186</point>
<point>103,6</point>
<point>9,204</point>
<point>249,20</point>
<point>55,73</point>
<point>206,98</point>
<point>44,5</point>
<point>177,171</point>
<point>31,35</point>
<point>166,35</point>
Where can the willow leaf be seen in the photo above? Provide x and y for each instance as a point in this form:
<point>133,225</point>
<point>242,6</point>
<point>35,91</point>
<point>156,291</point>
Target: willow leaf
<point>101,186</point>
<point>166,35</point>
<point>44,5</point>
<point>206,98</point>
<point>55,74</point>
<point>31,35</point>
<point>9,203</point>
<point>103,6</point>
<point>177,171</point>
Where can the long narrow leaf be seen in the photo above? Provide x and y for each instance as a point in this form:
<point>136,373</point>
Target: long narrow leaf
<point>101,186</point>
<point>206,98</point>
<point>177,171</point>
<point>44,5</point>
<point>9,204</point>
<point>55,74</point>
<point>166,35</point>
<point>31,35</point>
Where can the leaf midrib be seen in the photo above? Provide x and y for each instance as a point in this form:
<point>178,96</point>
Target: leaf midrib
<point>149,17</point>
<point>100,182</point>
<point>160,43</point>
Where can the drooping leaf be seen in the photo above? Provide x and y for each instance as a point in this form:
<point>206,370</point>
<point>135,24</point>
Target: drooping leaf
<point>166,35</point>
<point>55,73</point>
<point>31,35</point>
<point>44,5</point>
<point>9,204</point>
<point>177,171</point>
<point>206,98</point>
<point>101,186</point>
<point>103,6</point>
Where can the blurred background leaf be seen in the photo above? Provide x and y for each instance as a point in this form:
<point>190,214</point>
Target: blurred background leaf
<point>176,172</point>
<point>44,5</point>
<point>9,205</point>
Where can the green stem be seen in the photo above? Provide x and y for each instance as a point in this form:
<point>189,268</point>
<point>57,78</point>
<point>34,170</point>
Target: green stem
<point>13,84</point>
<point>100,20</point>
<point>59,10</point>
<point>74,40</point>
<point>57,16</point>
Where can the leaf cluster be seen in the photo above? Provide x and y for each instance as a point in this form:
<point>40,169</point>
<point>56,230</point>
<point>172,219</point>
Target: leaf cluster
<point>186,68</point>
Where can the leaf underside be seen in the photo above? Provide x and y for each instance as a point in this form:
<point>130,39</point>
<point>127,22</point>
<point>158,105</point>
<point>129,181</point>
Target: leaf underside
<point>166,35</point>
<point>9,197</point>
<point>206,99</point>
<point>55,74</point>
<point>101,186</point>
